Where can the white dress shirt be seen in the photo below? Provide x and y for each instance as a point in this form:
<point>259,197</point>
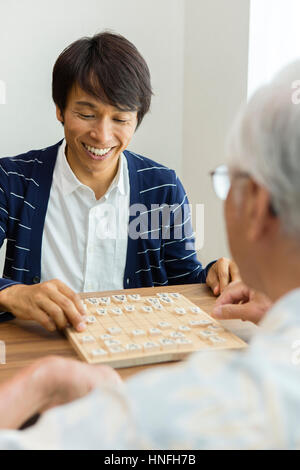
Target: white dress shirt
<point>85,239</point>
<point>232,399</point>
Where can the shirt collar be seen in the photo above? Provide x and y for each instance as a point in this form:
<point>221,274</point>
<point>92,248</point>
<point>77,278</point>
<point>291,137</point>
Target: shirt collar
<point>118,182</point>
<point>70,183</point>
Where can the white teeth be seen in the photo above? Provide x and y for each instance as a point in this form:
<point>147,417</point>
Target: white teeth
<point>95,151</point>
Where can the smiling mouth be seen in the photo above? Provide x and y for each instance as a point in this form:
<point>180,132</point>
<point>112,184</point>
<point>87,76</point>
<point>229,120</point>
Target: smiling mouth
<point>97,152</point>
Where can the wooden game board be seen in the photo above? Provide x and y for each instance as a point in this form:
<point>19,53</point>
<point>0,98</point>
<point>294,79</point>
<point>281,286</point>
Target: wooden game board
<point>130,330</point>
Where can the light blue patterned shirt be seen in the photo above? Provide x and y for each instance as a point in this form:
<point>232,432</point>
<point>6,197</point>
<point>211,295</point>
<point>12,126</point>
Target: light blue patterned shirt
<point>246,399</point>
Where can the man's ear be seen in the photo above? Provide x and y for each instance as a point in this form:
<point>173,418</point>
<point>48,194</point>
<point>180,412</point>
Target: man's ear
<point>261,219</point>
<point>59,115</point>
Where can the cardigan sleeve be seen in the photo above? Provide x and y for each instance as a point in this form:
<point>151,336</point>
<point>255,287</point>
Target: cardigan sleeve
<point>180,256</point>
<point>4,215</point>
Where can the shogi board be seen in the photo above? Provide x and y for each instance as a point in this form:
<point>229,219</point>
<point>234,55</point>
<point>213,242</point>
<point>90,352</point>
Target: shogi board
<point>125,330</point>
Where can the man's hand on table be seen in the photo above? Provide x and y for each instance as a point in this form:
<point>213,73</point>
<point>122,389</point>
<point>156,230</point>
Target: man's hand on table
<point>223,272</point>
<point>65,380</point>
<point>239,302</point>
<point>47,383</point>
<point>52,304</point>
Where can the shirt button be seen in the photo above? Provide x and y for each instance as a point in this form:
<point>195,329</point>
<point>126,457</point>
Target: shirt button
<point>127,280</point>
<point>36,279</point>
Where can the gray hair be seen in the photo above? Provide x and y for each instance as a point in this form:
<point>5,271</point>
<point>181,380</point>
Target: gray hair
<point>265,142</point>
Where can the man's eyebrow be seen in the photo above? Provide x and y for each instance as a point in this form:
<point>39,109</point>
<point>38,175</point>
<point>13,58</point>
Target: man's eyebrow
<point>86,103</point>
<point>93,106</point>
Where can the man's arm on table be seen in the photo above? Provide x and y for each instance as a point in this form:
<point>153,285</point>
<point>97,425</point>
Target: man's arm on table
<point>214,400</point>
<point>52,304</point>
<point>45,384</point>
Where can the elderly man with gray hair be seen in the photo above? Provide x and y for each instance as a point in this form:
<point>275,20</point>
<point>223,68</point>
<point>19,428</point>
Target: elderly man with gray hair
<point>263,155</point>
<point>228,399</point>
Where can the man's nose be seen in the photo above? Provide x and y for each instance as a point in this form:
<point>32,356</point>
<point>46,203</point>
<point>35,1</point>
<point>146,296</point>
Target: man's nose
<point>102,131</point>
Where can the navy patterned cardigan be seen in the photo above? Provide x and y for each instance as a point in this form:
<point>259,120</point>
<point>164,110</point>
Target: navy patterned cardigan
<point>160,240</point>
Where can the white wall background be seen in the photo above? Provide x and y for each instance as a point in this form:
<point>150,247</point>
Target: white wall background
<point>34,32</point>
<point>197,51</point>
<point>274,38</point>
<point>216,62</point>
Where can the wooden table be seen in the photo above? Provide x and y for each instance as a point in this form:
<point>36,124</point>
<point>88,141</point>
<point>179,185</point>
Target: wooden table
<point>27,341</point>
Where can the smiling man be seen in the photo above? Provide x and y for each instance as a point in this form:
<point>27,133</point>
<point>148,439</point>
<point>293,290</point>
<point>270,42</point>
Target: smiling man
<point>78,216</point>
<point>93,150</point>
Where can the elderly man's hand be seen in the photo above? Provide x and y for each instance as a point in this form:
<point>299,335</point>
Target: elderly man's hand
<point>46,383</point>
<point>65,380</point>
<point>239,302</point>
<point>221,274</point>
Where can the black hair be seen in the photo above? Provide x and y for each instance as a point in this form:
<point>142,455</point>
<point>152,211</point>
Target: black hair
<point>108,67</point>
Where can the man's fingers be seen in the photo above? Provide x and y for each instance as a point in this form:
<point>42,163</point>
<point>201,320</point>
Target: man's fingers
<point>234,272</point>
<point>233,294</point>
<point>216,290</point>
<point>69,302</point>
<point>107,373</point>
<point>73,296</point>
<point>221,274</point>
<point>69,310</point>
<point>246,312</point>
<point>221,269</point>
<point>51,309</point>
<point>224,277</point>
<point>43,319</point>
<point>235,311</point>
<point>212,280</point>
<point>50,303</point>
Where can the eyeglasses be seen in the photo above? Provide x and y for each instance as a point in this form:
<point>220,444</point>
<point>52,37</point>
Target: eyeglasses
<point>221,183</point>
<point>221,180</point>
